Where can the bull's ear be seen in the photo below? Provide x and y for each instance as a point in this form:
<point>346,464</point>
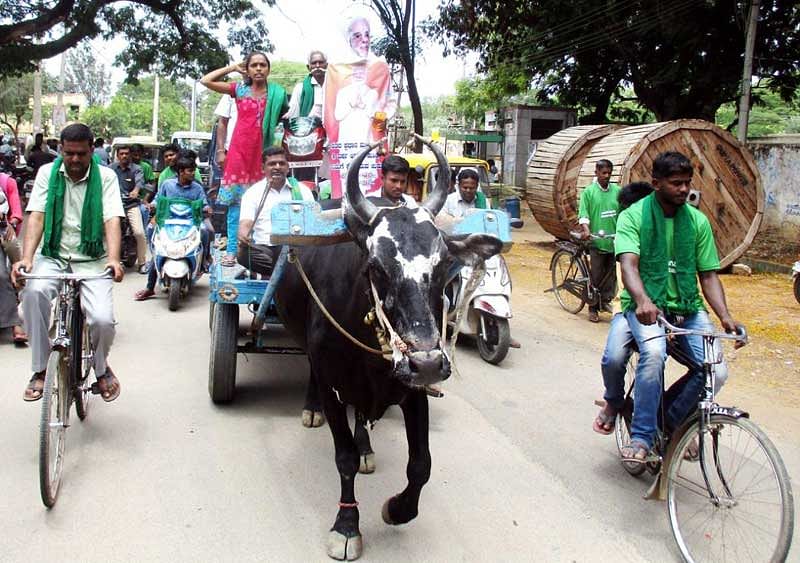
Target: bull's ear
<point>468,248</point>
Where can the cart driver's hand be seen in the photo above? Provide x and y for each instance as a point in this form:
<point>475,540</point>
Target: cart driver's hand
<point>16,278</point>
<point>116,267</point>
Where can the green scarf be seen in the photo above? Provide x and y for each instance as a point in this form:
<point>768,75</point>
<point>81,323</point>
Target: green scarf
<point>162,209</point>
<point>297,195</point>
<point>654,262</point>
<point>276,107</point>
<point>480,200</point>
<point>307,97</point>
<point>91,215</point>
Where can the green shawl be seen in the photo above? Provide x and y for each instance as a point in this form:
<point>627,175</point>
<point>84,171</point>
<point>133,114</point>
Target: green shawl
<point>91,215</point>
<point>297,195</point>
<point>654,262</point>
<point>162,209</point>
<point>307,97</point>
<point>480,200</point>
<point>276,107</point>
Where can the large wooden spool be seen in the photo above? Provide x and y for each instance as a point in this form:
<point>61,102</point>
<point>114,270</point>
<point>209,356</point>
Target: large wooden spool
<point>725,174</point>
<point>553,176</point>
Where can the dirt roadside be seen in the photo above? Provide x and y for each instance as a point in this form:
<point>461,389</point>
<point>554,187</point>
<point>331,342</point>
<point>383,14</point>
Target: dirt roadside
<point>764,374</point>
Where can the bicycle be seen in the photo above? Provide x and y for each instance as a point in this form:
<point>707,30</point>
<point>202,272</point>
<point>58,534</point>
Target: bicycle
<point>569,267</point>
<point>727,490</point>
<point>66,379</point>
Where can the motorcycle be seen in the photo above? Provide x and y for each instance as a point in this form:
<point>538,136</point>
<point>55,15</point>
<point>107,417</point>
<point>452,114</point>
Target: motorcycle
<point>128,249</point>
<point>489,309</point>
<point>796,278</point>
<point>178,253</point>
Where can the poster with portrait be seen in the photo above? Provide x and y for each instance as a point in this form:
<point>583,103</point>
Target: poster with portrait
<point>358,103</point>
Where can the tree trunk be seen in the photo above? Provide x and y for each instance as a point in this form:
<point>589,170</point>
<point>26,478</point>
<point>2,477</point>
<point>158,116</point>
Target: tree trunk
<point>416,106</point>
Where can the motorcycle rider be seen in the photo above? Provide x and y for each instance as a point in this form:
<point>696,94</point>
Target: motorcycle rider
<point>467,196</point>
<point>131,184</point>
<point>183,187</point>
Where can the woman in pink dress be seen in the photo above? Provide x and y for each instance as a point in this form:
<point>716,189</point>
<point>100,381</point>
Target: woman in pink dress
<point>259,106</point>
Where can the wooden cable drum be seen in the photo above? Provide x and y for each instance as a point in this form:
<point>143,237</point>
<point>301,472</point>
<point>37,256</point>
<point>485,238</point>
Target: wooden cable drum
<point>553,175</point>
<point>725,174</point>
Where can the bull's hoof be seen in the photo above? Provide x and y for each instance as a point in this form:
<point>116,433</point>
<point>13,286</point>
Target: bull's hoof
<point>367,464</point>
<point>394,515</point>
<point>342,548</point>
<point>312,419</point>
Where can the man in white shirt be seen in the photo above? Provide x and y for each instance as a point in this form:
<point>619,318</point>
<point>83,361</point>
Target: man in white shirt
<point>307,95</point>
<point>395,180</point>
<point>256,251</point>
<point>467,196</point>
<point>226,117</point>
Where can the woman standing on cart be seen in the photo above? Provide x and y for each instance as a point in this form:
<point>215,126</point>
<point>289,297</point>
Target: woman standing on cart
<point>259,105</point>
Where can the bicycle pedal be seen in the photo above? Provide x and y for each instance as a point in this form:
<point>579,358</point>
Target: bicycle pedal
<point>95,389</point>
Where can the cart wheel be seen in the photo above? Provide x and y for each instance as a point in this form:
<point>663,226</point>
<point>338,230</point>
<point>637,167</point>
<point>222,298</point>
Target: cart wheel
<point>211,308</point>
<point>222,363</point>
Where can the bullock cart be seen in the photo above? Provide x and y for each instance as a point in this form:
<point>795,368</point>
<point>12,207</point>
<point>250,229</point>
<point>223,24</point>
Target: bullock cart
<point>293,224</point>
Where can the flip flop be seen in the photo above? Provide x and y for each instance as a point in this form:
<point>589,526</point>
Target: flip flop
<point>601,420</point>
<point>635,452</point>
<point>36,393</point>
<point>143,294</point>
<point>98,390</point>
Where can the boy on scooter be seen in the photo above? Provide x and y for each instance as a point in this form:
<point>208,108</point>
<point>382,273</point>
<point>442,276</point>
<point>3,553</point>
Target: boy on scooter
<point>184,186</point>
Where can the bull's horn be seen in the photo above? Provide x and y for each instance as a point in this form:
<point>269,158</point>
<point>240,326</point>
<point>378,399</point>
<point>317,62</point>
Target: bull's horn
<point>435,200</point>
<point>364,209</point>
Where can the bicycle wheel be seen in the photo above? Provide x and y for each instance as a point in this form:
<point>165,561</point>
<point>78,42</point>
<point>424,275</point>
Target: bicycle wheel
<point>622,423</point>
<point>754,518</point>
<point>82,362</point>
<point>569,277</point>
<point>53,426</point>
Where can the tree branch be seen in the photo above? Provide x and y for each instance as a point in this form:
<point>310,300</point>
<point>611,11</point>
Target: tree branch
<point>12,33</point>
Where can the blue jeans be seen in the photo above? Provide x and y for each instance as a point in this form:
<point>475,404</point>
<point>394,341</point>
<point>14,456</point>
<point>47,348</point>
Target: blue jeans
<point>624,332</point>
<point>233,228</point>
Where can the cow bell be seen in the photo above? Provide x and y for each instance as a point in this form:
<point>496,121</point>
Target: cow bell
<point>369,318</point>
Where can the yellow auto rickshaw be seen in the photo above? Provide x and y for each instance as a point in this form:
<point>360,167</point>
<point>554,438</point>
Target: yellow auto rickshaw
<point>425,171</point>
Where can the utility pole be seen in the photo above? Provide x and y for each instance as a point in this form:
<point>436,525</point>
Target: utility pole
<point>747,74</point>
<point>194,106</point>
<point>59,113</point>
<point>155,108</point>
<point>37,100</point>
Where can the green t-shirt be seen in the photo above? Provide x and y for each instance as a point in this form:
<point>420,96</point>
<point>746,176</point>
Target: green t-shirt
<point>600,207</point>
<point>629,225</point>
<point>168,173</point>
<point>147,170</point>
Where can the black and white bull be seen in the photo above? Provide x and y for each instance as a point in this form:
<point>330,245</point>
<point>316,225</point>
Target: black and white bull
<point>402,258</point>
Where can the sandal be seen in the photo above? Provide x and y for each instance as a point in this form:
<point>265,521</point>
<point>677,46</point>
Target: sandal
<point>635,452</point>
<point>604,422</point>
<point>143,294</point>
<point>19,336</point>
<point>33,392</point>
<point>107,386</point>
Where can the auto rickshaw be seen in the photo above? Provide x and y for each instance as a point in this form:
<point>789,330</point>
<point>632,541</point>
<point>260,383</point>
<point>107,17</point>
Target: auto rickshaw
<point>425,170</point>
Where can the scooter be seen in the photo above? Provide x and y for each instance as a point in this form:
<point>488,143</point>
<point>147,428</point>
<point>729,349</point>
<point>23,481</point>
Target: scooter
<point>178,253</point>
<point>489,309</point>
<point>796,278</point>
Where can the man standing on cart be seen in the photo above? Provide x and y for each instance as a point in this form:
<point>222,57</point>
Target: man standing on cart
<point>306,98</point>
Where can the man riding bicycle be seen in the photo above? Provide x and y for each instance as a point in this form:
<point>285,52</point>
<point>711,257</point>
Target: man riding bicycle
<point>74,226</point>
<point>664,247</point>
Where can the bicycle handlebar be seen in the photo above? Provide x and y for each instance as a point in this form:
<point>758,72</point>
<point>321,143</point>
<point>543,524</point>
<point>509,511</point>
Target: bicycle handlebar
<point>741,331</point>
<point>578,235</point>
<point>106,274</point>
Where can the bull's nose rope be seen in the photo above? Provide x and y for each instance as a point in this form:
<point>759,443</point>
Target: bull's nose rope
<point>293,259</point>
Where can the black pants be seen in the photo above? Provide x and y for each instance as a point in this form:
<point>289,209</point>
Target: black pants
<point>603,263</point>
<point>259,258</point>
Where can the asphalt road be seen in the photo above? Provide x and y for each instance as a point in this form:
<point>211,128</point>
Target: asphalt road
<point>162,474</point>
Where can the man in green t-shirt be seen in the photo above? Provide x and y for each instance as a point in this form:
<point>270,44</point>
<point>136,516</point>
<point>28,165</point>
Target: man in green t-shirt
<point>598,212</point>
<point>664,247</point>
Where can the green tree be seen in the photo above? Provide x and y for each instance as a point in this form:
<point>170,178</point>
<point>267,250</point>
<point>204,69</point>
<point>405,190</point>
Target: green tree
<point>15,106</point>
<point>287,73</point>
<point>682,58</point>
<point>770,115</point>
<point>174,37</point>
<point>85,74</point>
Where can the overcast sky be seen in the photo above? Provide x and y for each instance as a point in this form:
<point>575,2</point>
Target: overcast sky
<point>297,26</point>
